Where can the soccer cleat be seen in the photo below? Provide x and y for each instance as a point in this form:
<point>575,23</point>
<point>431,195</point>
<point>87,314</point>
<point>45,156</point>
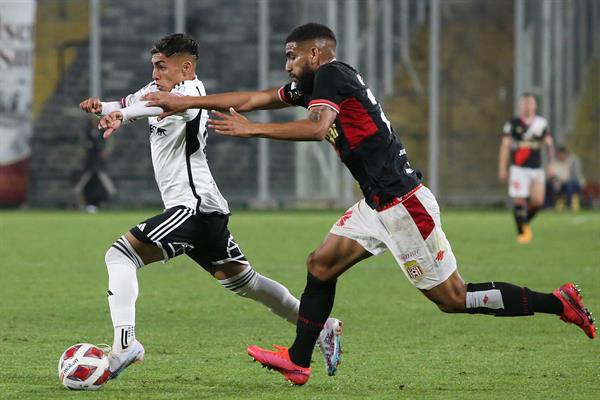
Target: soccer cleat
<point>119,360</point>
<point>526,236</point>
<point>280,361</point>
<point>574,312</point>
<point>330,344</point>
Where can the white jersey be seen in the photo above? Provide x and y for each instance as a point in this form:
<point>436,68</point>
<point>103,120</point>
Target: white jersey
<point>178,147</point>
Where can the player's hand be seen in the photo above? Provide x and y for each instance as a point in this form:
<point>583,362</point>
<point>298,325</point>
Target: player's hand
<point>234,124</point>
<point>503,175</point>
<point>110,123</point>
<point>171,103</point>
<point>91,105</point>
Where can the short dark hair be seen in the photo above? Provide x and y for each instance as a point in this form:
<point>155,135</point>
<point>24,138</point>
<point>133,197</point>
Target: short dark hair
<point>528,94</point>
<point>176,43</point>
<point>309,31</point>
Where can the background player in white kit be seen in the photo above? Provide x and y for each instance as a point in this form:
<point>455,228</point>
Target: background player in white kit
<point>196,214</point>
<point>522,139</point>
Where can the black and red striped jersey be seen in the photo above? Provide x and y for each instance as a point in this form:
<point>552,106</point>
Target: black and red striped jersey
<point>527,140</point>
<point>361,135</point>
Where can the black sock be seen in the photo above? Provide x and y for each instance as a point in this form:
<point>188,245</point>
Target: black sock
<point>506,300</point>
<point>315,306</point>
<point>520,212</point>
<point>546,303</point>
<point>531,211</point>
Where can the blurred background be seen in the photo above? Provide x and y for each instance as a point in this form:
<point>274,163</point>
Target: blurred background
<point>448,73</point>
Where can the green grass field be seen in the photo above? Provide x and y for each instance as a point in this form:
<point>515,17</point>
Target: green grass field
<point>397,345</point>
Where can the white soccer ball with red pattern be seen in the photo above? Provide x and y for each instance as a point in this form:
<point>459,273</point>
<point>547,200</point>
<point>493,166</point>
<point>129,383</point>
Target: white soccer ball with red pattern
<point>83,366</point>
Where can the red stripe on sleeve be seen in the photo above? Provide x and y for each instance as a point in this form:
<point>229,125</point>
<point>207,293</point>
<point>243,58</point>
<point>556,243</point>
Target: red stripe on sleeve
<point>282,96</point>
<point>420,216</point>
<point>323,102</point>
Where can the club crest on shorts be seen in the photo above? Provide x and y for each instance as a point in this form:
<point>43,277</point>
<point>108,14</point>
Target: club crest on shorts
<point>413,269</point>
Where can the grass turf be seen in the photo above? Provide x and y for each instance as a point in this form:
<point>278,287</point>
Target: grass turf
<point>396,343</point>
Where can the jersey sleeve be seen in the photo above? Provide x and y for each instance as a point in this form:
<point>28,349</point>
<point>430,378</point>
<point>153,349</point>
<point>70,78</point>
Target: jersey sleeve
<point>135,97</point>
<point>328,87</point>
<point>290,94</point>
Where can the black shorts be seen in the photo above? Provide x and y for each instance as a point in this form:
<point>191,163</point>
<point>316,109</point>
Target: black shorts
<point>203,237</point>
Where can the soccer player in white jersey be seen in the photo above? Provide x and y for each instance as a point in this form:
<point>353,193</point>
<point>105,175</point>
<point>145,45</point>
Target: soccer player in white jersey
<point>196,214</point>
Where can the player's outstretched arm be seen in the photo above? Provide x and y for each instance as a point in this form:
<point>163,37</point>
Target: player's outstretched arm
<point>98,107</point>
<point>315,127</point>
<point>240,101</point>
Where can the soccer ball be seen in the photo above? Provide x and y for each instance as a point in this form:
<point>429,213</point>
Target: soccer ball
<point>83,366</point>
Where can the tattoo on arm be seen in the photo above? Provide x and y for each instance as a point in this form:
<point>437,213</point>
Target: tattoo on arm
<point>314,115</point>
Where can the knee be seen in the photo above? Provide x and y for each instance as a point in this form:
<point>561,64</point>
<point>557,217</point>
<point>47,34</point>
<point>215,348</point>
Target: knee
<point>319,267</point>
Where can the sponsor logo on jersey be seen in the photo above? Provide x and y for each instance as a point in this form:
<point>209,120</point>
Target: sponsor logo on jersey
<point>345,217</point>
<point>154,130</point>
<point>413,270</point>
<point>141,227</point>
<point>332,134</point>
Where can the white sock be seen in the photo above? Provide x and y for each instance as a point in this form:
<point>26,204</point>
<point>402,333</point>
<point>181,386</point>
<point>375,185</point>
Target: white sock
<point>276,297</point>
<point>124,336</point>
<point>122,263</point>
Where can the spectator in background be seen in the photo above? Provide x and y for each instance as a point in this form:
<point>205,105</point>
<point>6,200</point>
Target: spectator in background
<point>94,188</point>
<point>566,181</point>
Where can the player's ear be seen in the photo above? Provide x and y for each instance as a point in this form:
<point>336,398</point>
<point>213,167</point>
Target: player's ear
<point>314,55</point>
<point>187,66</point>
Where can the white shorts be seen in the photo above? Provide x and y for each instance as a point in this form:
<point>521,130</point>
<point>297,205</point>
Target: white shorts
<point>411,229</point>
<point>520,180</point>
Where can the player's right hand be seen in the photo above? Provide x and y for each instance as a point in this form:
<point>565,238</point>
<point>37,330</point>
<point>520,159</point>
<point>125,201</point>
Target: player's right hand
<point>91,105</point>
<point>110,123</point>
<point>171,103</point>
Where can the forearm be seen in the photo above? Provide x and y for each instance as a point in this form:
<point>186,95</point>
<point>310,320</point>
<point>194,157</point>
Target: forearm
<point>503,158</point>
<point>138,110</point>
<point>240,101</point>
<point>303,130</point>
<point>110,106</point>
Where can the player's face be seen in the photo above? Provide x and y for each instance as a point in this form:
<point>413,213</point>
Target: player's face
<point>528,105</point>
<point>299,65</point>
<point>166,71</point>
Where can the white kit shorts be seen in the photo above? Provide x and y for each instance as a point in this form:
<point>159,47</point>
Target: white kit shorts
<point>520,180</point>
<point>410,227</point>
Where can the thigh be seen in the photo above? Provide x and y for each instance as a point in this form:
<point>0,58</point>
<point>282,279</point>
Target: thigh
<point>538,188</point>
<point>215,248</point>
<point>334,256</point>
<point>519,182</point>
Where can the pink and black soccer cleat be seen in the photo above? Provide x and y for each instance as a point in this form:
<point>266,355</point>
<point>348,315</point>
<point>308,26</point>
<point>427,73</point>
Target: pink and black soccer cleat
<point>280,361</point>
<point>574,312</point>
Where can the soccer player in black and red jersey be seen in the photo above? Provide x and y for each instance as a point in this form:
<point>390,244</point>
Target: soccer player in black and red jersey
<point>522,139</point>
<point>398,213</point>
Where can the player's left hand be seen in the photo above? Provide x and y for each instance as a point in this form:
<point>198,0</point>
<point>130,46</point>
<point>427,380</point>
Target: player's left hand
<point>233,124</point>
<point>110,123</point>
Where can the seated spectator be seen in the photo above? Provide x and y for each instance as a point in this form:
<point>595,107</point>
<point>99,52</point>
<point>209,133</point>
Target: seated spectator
<point>566,181</point>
